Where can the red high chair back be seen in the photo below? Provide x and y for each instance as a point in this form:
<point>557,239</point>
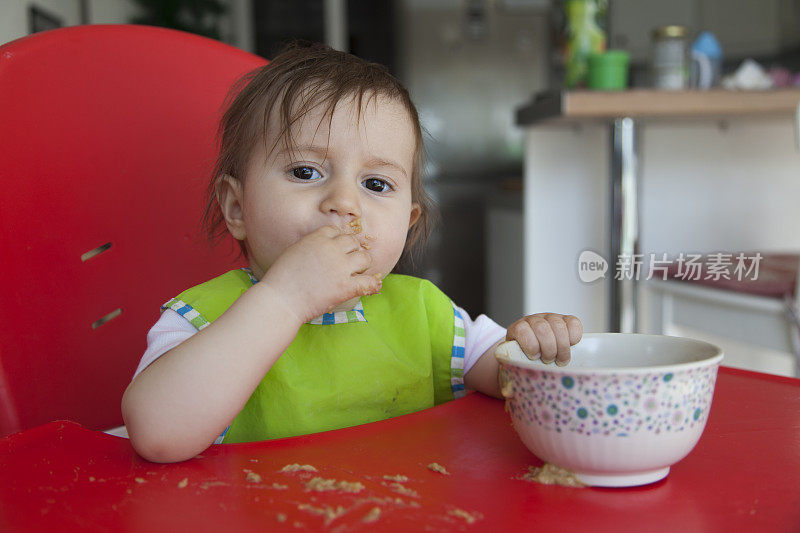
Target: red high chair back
<point>107,141</point>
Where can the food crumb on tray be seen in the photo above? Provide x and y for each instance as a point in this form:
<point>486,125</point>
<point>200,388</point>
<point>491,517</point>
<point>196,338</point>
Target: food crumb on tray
<point>208,484</point>
<point>322,485</point>
<point>329,513</point>
<point>550,474</point>
<point>436,467</point>
<point>470,518</point>
<point>252,477</point>
<point>402,489</point>
<point>372,515</point>
<point>398,478</point>
<point>298,468</point>
<point>182,483</point>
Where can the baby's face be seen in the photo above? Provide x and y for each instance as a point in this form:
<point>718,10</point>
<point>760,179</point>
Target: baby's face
<point>362,172</point>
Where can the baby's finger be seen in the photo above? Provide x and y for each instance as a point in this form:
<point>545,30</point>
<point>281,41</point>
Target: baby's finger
<point>347,243</point>
<point>522,332</point>
<point>367,284</point>
<point>359,261</point>
<point>547,339</point>
<point>575,328</point>
<point>328,231</point>
<point>561,333</point>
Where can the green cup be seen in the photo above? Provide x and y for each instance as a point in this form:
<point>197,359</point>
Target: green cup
<point>608,71</point>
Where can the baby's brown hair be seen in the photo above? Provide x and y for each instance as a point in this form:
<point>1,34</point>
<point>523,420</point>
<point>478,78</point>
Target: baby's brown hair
<point>300,78</point>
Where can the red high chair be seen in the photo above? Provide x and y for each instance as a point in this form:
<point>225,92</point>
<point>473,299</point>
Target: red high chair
<point>107,140</point>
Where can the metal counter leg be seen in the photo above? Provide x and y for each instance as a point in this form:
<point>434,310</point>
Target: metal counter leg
<point>624,245</point>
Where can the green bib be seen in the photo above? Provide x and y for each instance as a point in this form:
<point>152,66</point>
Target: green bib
<point>398,352</point>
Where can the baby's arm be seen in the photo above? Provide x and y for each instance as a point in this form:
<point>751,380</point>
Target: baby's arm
<point>178,405</point>
<point>545,335</point>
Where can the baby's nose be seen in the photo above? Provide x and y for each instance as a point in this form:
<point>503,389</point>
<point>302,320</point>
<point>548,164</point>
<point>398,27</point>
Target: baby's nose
<point>341,200</point>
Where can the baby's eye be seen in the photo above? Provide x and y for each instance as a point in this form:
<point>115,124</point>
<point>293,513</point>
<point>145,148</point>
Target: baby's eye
<point>306,173</point>
<point>376,185</point>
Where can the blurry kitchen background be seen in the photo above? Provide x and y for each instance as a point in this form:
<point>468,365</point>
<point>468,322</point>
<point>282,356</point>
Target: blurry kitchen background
<point>469,64</point>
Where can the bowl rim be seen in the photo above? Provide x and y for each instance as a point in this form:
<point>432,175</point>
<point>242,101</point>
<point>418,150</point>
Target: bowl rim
<point>503,357</point>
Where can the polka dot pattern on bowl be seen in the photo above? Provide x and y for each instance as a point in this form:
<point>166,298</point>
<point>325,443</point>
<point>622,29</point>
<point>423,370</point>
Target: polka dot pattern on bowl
<point>610,404</point>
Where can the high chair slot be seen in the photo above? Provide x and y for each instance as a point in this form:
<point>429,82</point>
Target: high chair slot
<point>107,318</point>
<point>95,252</point>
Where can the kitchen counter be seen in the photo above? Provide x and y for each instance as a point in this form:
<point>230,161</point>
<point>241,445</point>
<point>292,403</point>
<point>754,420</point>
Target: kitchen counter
<point>650,103</point>
<point>573,138</point>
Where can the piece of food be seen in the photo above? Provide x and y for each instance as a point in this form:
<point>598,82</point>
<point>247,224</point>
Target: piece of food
<point>208,484</point>
<point>436,467</point>
<point>550,474</point>
<point>329,513</point>
<point>298,468</point>
<point>372,515</point>
<point>402,489</point>
<point>470,518</point>
<point>355,226</point>
<point>323,485</point>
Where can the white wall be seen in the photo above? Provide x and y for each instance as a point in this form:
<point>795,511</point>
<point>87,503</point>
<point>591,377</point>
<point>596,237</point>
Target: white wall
<point>237,26</point>
<point>707,188</point>
<point>14,20</point>
<point>112,11</point>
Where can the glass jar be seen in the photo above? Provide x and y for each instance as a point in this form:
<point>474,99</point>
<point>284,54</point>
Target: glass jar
<point>670,66</point>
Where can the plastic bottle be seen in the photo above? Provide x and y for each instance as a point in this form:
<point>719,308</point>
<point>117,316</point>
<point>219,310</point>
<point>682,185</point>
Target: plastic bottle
<point>706,61</point>
<point>585,35</point>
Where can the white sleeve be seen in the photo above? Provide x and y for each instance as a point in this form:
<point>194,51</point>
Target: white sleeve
<point>479,335</point>
<point>170,330</point>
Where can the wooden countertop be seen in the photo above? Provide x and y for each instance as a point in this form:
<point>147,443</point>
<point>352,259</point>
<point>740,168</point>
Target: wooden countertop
<point>651,103</point>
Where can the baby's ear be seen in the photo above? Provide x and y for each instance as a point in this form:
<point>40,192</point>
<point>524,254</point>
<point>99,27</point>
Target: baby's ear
<point>229,197</point>
<point>416,211</point>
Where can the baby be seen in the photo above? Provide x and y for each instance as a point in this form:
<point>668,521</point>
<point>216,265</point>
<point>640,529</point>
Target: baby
<point>319,179</point>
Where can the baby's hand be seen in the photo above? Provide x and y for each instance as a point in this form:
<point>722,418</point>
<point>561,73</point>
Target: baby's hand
<point>546,335</point>
<point>320,271</point>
